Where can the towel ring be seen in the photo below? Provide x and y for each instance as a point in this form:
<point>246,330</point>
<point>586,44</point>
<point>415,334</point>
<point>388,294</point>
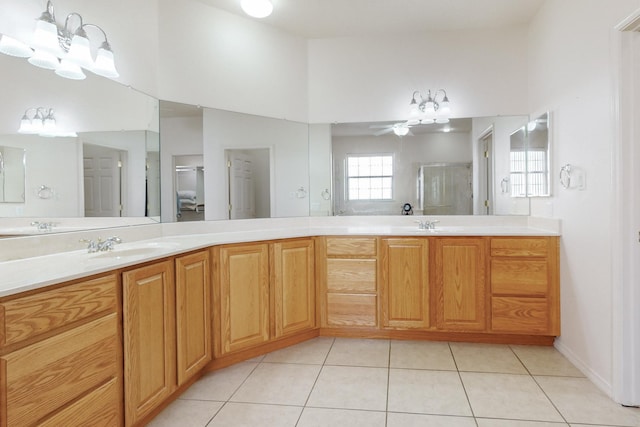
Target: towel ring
<point>45,192</point>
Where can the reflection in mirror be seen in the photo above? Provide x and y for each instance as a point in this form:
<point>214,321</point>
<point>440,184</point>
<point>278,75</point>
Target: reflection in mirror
<point>11,175</point>
<point>445,189</point>
<point>189,181</point>
<point>103,113</point>
<point>529,159</point>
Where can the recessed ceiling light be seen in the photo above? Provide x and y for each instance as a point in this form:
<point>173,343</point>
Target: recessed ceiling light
<point>257,8</point>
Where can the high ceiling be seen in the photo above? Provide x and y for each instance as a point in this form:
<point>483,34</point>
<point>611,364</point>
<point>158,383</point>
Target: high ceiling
<point>344,18</point>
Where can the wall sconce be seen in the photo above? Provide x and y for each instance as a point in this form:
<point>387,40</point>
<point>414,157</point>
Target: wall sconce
<point>64,49</point>
<point>41,121</point>
<point>430,109</point>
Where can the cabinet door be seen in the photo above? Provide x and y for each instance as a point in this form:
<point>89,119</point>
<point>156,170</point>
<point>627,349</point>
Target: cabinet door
<point>193,314</point>
<point>405,283</point>
<point>243,296</point>
<point>293,286</point>
<point>149,338</point>
<point>460,277</point>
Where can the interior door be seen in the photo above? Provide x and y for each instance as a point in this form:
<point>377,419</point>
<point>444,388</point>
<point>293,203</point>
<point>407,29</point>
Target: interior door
<point>485,172</point>
<point>241,185</point>
<point>102,181</point>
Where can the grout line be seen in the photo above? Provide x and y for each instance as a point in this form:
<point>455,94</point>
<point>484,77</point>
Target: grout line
<point>386,409</point>
<point>216,413</point>
<point>475,420</point>
<point>315,381</point>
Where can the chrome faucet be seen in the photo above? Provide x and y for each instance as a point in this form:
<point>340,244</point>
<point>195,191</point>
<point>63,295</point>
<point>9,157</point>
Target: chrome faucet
<point>426,224</point>
<point>101,245</point>
<point>42,226</point>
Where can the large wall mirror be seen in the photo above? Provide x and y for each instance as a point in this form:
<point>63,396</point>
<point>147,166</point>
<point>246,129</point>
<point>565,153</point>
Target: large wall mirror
<point>529,159</point>
<point>102,168</point>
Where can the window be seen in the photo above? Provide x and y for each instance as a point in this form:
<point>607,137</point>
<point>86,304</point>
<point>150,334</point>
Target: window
<point>370,177</point>
<point>528,173</point>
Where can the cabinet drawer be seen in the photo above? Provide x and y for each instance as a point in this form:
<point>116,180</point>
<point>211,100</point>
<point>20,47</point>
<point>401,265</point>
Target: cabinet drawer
<point>45,376</point>
<point>520,315</point>
<point>351,275</point>
<point>30,316</point>
<point>516,247</point>
<point>519,277</point>
<point>351,310</point>
<point>99,408</point>
<point>351,246</point>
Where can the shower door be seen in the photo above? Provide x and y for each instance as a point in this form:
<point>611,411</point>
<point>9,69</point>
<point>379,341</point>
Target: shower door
<point>445,189</point>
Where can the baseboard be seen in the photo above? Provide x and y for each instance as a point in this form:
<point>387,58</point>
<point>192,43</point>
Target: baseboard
<point>595,378</point>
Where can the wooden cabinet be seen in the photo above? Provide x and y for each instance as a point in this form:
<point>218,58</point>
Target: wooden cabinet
<point>347,272</point>
<point>193,314</point>
<point>460,278</point>
<point>524,285</point>
<point>61,355</point>
<point>404,290</point>
<point>241,295</point>
<point>149,338</point>
<point>293,286</point>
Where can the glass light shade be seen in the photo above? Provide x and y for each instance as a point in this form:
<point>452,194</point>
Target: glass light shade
<point>49,125</point>
<point>444,108</point>
<point>400,130</point>
<point>531,126</point>
<point>25,125</point>
<point>257,8</point>
<point>80,52</point>
<point>45,37</point>
<point>442,120</point>
<point>12,47</point>
<point>414,110</point>
<point>429,108</point>
<point>36,124</point>
<point>43,59</point>
<point>70,70</point>
<point>413,122</point>
<point>104,65</point>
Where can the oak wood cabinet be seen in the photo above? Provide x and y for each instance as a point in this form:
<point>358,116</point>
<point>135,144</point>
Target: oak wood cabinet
<point>61,356</point>
<point>149,338</point>
<point>524,285</point>
<point>262,292</point>
<point>293,279</point>
<point>460,282</point>
<point>193,314</point>
<point>404,290</point>
<point>347,272</point>
<point>241,295</point>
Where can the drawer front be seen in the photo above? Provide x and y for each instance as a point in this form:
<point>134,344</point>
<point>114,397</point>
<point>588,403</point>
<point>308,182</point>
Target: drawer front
<point>524,247</point>
<point>45,376</point>
<point>520,315</point>
<point>519,277</point>
<point>351,275</point>
<point>364,246</point>
<point>99,408</point>
<point>351,310</point>
<point>33,315</point>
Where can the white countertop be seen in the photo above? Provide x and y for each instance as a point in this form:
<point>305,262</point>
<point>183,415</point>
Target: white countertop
<point>34,262</point>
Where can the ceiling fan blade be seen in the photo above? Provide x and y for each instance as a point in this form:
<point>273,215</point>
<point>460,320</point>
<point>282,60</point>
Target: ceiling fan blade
<point>382,132</point>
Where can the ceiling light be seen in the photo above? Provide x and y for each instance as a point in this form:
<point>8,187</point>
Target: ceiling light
<point>401,129</point>
<point>63,48</point>
<point>257,8</point>
<point>434,108</point>
<point>531,126</point>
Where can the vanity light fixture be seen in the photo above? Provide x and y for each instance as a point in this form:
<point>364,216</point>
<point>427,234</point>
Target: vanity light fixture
<point>434,108</point>
<point>66,49</point>
<point>257,8</point>
<point>41,121</point>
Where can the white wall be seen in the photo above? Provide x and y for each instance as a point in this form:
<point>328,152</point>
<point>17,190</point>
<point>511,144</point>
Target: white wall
<point>320,170</point>
<point>571,73</point>
<point>372,79</point>
<point>213,58</point>
<point>287,141</point>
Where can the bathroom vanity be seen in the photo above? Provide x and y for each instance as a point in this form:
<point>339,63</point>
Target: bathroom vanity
<point>113,337</point>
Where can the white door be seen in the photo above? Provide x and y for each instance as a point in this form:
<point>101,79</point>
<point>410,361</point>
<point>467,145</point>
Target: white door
<point>484,173</point>
<point>101,181</point>
<point>241,185</point>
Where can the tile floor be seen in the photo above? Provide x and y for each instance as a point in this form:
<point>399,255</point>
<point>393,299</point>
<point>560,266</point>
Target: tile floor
<point>377,383</point>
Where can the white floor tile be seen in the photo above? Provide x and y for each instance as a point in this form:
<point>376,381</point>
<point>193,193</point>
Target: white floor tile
<point>485,422</point>
<point>220,385</point>
<point>471,357</point>
<point>580,401</point>
<point>359,352</point>
<point>508,396</point>
<point>418,420</point>
<point>282,384</point>
<point>253,415</point>
<point>540,360</point>
<point>427,392</point>
<point>350,387</point>
<point>422,355</point>
<point>321,417</point>
<point>187,413</point>
<point>312,352</point>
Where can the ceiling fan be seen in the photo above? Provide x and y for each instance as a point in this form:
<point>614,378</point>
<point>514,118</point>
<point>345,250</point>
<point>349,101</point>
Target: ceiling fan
<point>400,129</point>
